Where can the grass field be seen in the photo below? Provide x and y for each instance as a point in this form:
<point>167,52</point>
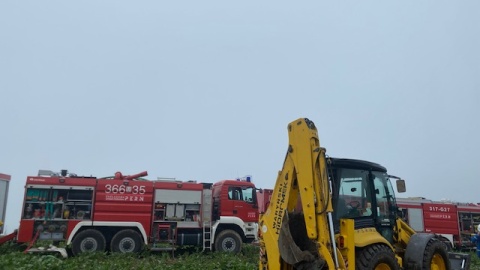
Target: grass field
<point>475,264</point>
<point>13,258</point>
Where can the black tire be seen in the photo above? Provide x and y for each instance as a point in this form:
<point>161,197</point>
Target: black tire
<point>446,243</point>
<point>376,256</point>
<point>228,241</point>
<point>89,240</point>
<point>126,241</point>
<point>435,256</point>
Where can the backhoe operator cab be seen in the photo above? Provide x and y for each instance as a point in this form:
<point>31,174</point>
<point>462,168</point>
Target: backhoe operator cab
<point>362,191</point>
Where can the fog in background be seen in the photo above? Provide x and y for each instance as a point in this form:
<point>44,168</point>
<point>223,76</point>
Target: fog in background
<point>204,90</point>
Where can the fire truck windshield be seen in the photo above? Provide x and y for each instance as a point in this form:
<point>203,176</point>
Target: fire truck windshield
<point>248,194</point>
<point>242,194</point>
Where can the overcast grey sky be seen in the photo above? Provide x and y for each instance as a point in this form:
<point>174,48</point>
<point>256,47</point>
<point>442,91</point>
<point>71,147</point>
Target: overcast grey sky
<point>204,90</point>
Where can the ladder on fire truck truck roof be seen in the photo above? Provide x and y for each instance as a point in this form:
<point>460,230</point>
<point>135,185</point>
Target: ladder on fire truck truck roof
<point>207,219</point>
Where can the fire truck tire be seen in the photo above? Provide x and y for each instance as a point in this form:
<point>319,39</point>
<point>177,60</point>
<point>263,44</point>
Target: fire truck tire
<point>376,257</point>
<point>89,240</point>
<point>228,241</point>
<point>435,255</point>
<point>446,243</point>
<point>126,241</point>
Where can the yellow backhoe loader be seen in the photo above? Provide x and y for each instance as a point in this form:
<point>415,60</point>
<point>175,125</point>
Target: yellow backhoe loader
<point>329,213</point>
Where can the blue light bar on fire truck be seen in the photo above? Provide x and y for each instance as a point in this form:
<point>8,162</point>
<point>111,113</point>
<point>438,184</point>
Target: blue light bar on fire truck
<point>246,178</point>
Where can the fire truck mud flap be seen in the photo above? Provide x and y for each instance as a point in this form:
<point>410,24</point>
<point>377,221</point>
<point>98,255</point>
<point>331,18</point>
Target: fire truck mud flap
<point>425,250</point>
<point>297,249</point>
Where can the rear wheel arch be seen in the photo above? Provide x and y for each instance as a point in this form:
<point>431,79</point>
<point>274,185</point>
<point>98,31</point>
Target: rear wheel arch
<point>234,227</point>
<point>108,228</point>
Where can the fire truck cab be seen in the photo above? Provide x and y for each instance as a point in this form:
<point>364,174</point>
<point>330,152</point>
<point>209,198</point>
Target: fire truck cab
<point>127,213</point>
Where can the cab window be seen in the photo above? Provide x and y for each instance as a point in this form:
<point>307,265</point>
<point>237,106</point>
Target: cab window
<point>245,194</point>
<point>235,193</point>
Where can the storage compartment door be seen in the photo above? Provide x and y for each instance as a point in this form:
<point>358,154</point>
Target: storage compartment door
<point>415,219</point>
<point>178,196</point>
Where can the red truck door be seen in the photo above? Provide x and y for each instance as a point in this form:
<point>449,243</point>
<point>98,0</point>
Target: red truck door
<point>241,203</point>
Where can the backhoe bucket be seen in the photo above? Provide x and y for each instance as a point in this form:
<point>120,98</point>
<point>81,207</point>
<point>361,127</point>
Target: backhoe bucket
<point>301,257</point>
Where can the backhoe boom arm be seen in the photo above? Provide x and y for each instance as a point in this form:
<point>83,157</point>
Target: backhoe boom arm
<point>290,236</point>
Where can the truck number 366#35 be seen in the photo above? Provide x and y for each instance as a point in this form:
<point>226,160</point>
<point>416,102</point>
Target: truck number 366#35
<point>121,189</point>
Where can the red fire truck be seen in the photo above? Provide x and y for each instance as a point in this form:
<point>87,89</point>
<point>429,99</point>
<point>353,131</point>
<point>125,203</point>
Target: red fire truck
<point>456,222</point>
<point>126,213</point>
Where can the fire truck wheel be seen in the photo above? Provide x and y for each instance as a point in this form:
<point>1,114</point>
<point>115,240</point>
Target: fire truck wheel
<point>435,255</point>
<point>126,241</point>
<point>88,241</point>
<point>446,243</point>
<point>228,241</point>
<point>376,257</point>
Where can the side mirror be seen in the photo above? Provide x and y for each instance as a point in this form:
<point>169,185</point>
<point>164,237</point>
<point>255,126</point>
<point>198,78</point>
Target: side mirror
<point>401,186</point>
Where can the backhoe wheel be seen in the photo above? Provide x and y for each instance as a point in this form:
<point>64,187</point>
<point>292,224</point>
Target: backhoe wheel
<point>228,241</point>
<point>89,240</point>
<point>435,256</point>
<point>376,257</point>
<point>126,241</point>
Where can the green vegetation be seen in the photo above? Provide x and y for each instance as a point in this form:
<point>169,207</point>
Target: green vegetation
<point>13,258</point>
<point>475,263</point>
